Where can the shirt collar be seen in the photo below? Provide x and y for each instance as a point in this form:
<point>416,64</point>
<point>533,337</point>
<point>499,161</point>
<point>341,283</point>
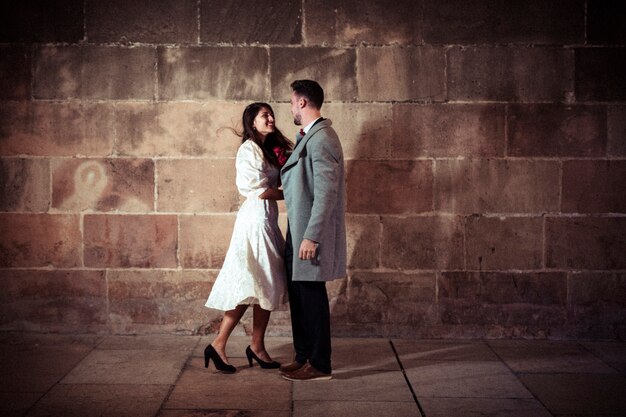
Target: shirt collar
<point>310,125</point>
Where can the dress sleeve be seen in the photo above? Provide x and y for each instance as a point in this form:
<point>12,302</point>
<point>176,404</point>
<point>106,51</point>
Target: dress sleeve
<point>251,179</point>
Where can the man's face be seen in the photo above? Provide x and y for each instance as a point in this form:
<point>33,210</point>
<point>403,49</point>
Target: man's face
<point>295,109</point>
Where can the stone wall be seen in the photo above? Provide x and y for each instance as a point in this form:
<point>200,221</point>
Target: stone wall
<point>485,146</point>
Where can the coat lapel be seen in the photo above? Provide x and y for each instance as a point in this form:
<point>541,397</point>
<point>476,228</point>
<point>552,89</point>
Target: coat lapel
<point>300,150</point>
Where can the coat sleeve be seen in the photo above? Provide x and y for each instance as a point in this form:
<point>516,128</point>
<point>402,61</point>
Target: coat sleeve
<point>326,158</point>
<point>251,179</point>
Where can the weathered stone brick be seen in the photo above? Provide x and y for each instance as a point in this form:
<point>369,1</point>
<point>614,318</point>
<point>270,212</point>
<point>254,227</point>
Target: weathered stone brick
<point>94,72</point>
<point>197,185</point>
<point>396,298</point>
<point>505,299</point>
<point>413,73</point>
<point>149,301</point>
<point>59,300</point>
<point>449,130</point>
<point>586,242</point>
<point>510,73</point>
<point>605,22</point>
<point>103,184</point>
<point>594,187</point>
<point>433,242</point>
<point>332,68</point>
<point>37,240</point>
<point>56,129</point>
<point>126,241</point>
<point>489,21</point>
<point>178,129</point>
<point>222,73</point>
<point>248,21</point>
<point>407,185</point>
<point>600,74</point>
<point>24,184</point>
<point>617,131</point>
<point>354,22</point>
<point>41,21</point>
<point>496,186</point>
<point>554,130</point>
<point>504,243</point>
<point>15,63</point>
<point>364,236</point>
<point>148,21</point>
<point>204,240</point>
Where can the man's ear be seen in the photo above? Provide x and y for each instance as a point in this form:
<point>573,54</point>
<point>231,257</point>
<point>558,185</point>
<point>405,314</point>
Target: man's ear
<point>302,102</point>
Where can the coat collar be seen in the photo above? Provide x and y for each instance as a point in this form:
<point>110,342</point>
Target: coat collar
<point>300,147</point>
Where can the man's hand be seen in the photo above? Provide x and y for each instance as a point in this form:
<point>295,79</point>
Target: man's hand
<point>307,249</point>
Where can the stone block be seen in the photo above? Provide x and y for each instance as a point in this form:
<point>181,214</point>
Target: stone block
<point>141,301</point>
<point>600,74</point>
<point>496,186</point>
<point>56,129</point>
<point>15,67</point>
<point>177,129</point>
<point>488,21</point>
<point>503,243</point>
<point>554,130</point>
<point>407,185</point>
<point>95,72</point>
<point>364,236</point>
<point>450,130</point>
<point>42,21</point>
<point>396,298</point>
<point>264,22</point>
<point>217,73</point>
<point>53,300</point>
<point>197,185</point>
<point>505,299</point>
<point>24,184</point>
<point>40,240</point>
<point>354,22</point>
<point>586,242</point>
<point>605,23</point>
<point>510,73</point>
<point>204,240</point>
<point>398,74</point>
<point>145,21</point>
<point>333,68</point>
<point>130,241</point>
<point>597,289</point>
<point>594,186</point>
<point>103,184</point>
<point>617,131</point>
<point>430,242</point>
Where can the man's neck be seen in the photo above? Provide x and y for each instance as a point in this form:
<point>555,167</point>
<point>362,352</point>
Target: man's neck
<point>310,118</point>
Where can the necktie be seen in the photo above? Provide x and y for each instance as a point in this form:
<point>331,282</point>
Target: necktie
<point>299,137</point>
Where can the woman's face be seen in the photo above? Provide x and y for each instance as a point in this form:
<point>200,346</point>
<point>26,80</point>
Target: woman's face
<point>264,122</point>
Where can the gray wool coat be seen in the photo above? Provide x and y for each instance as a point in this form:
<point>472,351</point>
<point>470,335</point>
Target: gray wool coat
<point>314,189</point>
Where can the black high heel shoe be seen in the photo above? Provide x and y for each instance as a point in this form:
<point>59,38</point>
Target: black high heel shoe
<point>265,365</point>
<point>220,365</point>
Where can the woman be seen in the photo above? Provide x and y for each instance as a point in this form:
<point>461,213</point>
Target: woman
<point>254,269</point>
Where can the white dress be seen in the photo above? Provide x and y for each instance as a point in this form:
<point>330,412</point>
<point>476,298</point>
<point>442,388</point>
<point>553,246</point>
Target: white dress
<point>254,267</point>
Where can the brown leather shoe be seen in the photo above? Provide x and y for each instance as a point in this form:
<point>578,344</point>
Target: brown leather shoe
<point>290,367</point>
<point>307,373</point>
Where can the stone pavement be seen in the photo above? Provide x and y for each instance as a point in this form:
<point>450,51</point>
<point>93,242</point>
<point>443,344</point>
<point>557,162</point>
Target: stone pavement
<point>164,375</point>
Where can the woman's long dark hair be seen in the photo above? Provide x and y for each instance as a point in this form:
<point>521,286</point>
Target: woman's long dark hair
<point>272,140</point>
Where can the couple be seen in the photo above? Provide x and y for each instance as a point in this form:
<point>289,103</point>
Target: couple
<point>260,267</point>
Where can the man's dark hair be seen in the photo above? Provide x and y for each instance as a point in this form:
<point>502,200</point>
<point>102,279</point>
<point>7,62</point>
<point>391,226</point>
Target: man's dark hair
<point>310,90</point>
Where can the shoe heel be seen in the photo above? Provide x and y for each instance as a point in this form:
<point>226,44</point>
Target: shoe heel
<point>249,354</point>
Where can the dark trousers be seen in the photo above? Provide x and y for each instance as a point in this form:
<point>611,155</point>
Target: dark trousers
<point>310,316</point>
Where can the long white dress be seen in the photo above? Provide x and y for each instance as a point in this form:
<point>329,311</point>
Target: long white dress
<point>254,269</point>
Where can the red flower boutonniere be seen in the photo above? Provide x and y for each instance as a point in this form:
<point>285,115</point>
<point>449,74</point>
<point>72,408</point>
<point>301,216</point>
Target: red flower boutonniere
<point>280,154</point>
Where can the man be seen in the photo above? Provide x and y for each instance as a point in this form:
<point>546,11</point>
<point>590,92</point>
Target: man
<point>314,189</point>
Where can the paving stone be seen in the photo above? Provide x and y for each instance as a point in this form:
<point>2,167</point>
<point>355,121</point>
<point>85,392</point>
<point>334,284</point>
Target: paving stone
<point>478,407</point>
<point>248,388</point>
<point>320,408</point>
<point>101,400</point>
<point>362,353</point>
<point>579,394</point>
<point>279,348</point>
<point>411,351</point>
<point>149,342</point>
<point>223,413</point>
<point>132,366</point>
<point>612,353</point>
<point>538,356</point>
<point>462,379</point>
